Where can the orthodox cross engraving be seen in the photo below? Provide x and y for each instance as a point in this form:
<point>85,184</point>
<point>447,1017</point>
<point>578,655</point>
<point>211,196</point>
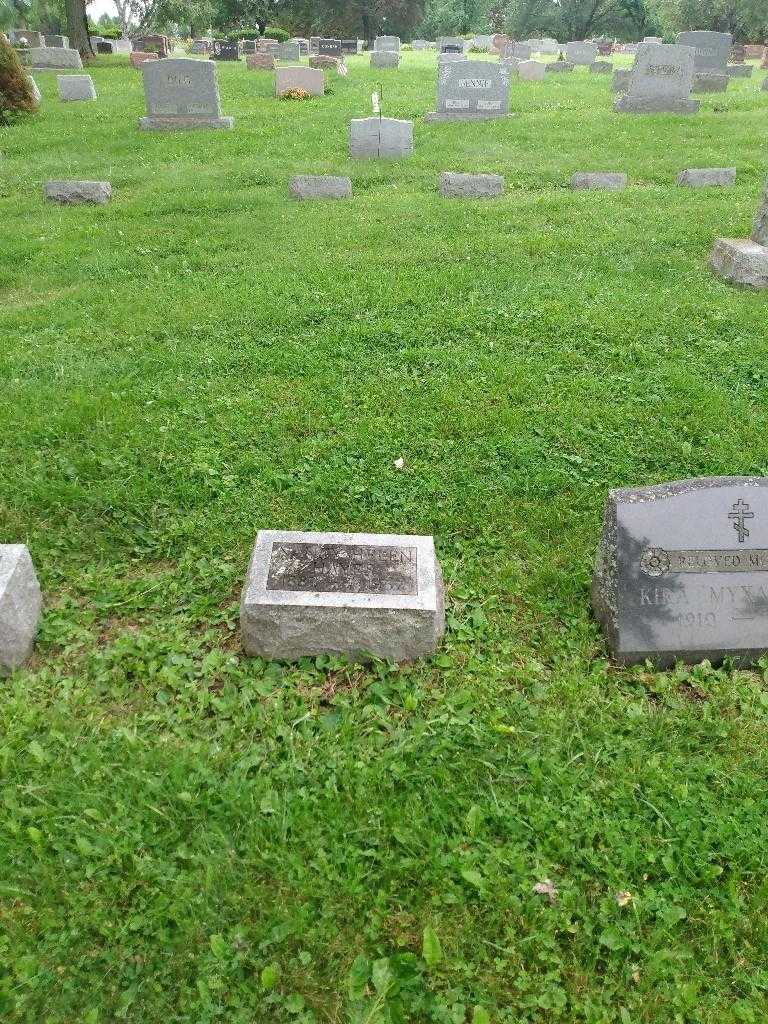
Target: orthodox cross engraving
<point>740,513</point>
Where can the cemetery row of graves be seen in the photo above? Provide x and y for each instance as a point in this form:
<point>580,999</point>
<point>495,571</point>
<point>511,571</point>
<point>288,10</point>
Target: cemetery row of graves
<point>319,704</point>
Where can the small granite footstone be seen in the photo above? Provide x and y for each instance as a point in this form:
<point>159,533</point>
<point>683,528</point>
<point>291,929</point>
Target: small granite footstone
<point>740,261</point>
<point>20,605</point>
<point>744,261</point>
<point>739,70</point>
<point>260,62</point>
<point>454,185</point>
<point>320,186</point>
<point>608,180</point>
<point>682,572</point>
<point>71,192</point>
<point>601,67</point>
<point>75,87</point>
<point>707,177</point>
<point>357,594</point>
<point>710,83</point>
<point>558,66</point>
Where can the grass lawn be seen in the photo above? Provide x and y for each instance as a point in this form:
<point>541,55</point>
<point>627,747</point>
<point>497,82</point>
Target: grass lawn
<point>188,835</point>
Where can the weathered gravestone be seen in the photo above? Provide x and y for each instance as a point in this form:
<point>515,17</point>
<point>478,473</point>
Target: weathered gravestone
<point>559,67</point>
<point>456,185</point>
<point>660,81</point>
<point>155,43</point>
<point>601,67</point>
<point>248,46</point>
<point>48,58</point>
<point>620,80</point>
<point>604,47</point>
<point>289,51</point>
<point>385,59</point>
<point>744,261</point>
<point>738,53</point>
<point>75,87</point>
<point>181,93</point>
<point>709,83</point>
<point>223,49</point>
<point>37,95</point>
<point>20,606</point>
<point>137,58</point>
<point>311,80</point>
<point>26,37</point>
<point>200,46</point>
<point>450,44</point>
<point>522,51</point>
<point>682,571</point>
<point>707,177</point>
<point>71,193</point>
<point>739,70</point>
<point>350,47</point>
<point>753,51</point>
<point>610,181</point>
<point>710,50</point>
<point>106,46</point>
<point>380,137</point>
<point>483,43</point>
<point>329,47</point>
<point>387,43</point>
<point>319,186</point>
<point>470,90</point>
<point>303,46</point>
<point>420,44</point>
<point>58,42</point>
<point>260,62</point>
<point>342,593</point>
<point>122,45</point>
<point>652,39</point>
<point>581,53</point>
<point>531,70</point>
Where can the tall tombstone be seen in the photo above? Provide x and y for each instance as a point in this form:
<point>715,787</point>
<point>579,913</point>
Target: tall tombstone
<point>357,594</point>
<point>387,43</point>
<point>744,261</point>
<point>471,90</point>
<point>682,571</point>
<point>181,93</point>
<point>581,53</point>
<point>710,50</point>
<point>660,81</point>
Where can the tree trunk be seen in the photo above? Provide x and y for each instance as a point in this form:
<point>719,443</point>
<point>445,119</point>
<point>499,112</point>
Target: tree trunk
<point>77,28</point>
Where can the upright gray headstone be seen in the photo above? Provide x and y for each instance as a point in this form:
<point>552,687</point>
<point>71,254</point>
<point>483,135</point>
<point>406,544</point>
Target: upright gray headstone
<point>660,81</point>
<point>75,87</point>
<point>391,43</point>
<point>451,44</point>
<point>581,53</point>
<point>44,58</point>
<point>710,50</point>
<point>60,42</point>
<point>289,51</point>
<point>682,571</point>
<point>342,593</point>
<point>380,137</point>
<point>26,37</point>
<point>471,90</point>
<point>20,606</point>
<point>181,93</point>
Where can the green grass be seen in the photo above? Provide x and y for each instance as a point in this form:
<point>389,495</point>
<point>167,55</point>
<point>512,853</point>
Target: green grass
<point>189,835</point>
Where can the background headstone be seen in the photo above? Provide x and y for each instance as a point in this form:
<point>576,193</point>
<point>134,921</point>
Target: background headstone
<point>387,43</point>
<point>710,50</point>
<point>744,261</point>
<point>260,62</point>
<point>581,53</point>
<point>385,59</point>
<point>312,80</point>
<point>329,47</point>
<point>75,87</point>
<point>42,58</point>
<point>289,51</point>
<point>531,70</point>
<point>223,49</point>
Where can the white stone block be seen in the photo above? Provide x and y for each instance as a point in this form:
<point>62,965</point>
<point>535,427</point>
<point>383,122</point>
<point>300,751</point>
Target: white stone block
<point>20,605</point>
<point>342,593</point>
<point>76,87</point>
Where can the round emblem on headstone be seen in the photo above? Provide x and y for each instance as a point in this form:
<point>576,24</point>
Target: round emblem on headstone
<point>654,562</point>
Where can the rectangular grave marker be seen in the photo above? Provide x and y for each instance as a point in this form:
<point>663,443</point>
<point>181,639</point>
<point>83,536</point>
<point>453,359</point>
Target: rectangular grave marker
<point>682,571</point>
<point>471,90</point>
<point>660,81</point>
<point>181,93</point>
<point>346,593</point>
